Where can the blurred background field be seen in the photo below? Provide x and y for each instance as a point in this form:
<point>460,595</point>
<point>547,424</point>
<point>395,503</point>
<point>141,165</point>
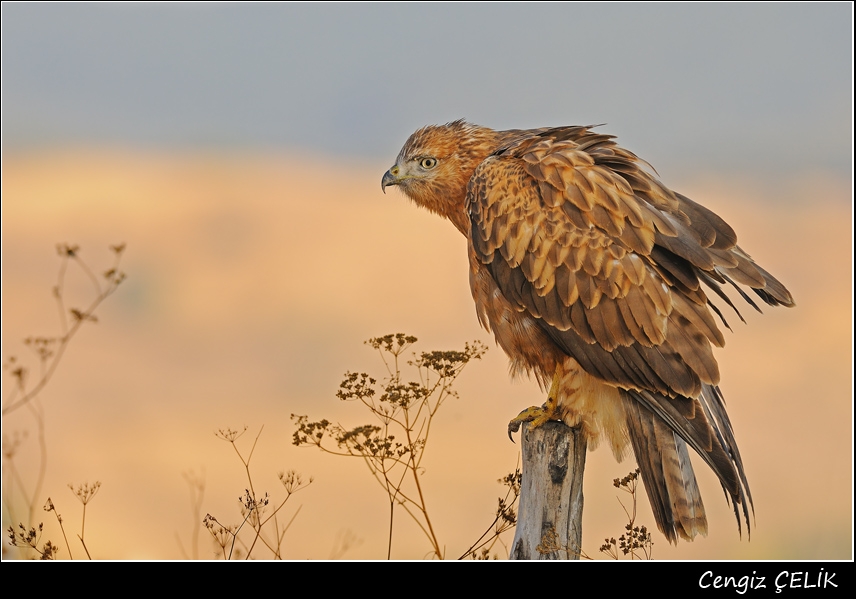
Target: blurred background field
<point>238,152</point>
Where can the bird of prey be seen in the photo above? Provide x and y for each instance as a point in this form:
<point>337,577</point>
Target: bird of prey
<point>594,277</point>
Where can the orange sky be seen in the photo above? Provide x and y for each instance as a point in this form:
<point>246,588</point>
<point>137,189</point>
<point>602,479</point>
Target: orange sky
<point>252,282</point>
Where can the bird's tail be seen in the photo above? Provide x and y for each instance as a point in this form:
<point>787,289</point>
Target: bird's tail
<point>667,474</point>
<point>660,429</point>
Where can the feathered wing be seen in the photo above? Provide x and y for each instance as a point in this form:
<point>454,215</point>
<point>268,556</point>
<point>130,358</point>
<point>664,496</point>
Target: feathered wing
<point>609,263</point>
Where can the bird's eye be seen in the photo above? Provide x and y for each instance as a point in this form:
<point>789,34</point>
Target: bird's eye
<point>428,163</point>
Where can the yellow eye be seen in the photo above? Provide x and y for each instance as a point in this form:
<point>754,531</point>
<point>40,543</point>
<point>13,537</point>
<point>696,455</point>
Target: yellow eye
<point>428,163</point>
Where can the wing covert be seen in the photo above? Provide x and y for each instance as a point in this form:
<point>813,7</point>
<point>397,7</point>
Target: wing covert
<point>574,243</point>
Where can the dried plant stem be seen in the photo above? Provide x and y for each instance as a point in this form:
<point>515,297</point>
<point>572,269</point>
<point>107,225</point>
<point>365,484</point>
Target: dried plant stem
<point>82,542</point>
<point>83,523</point>
<point>254,507</point>
<point>196,486</point>
<point>50,360</point>
<point>246,462</point>
<point>49,506</point>
<point>414,469</point>
<point>84,493</point>
<point>38,414</point>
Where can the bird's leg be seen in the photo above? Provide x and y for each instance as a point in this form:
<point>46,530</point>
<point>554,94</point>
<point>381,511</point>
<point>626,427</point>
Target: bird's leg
<point>538,416</point>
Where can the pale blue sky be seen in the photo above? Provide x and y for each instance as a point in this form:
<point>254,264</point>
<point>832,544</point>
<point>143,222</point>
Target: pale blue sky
<point>737,87</point>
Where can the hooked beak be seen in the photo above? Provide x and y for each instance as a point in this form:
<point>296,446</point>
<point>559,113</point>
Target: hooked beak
<point>390,177</point>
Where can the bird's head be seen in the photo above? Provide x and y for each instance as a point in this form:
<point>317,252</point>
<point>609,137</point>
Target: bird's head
<point>436,163</point>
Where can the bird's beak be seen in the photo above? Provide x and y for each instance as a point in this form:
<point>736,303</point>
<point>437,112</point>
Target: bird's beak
<point>390,177</point>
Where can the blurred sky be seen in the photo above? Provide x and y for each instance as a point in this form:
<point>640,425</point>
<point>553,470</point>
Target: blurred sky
<point>238,151</point>
<point>740,84</point>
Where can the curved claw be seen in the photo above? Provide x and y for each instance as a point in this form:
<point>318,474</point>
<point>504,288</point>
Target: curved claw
<point>513,427</point>
<point>537,416</point>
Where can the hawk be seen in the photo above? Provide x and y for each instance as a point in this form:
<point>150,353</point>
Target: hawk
<point>594,277</point>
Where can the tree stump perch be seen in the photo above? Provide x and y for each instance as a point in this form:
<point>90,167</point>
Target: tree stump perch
<point>550,512</point>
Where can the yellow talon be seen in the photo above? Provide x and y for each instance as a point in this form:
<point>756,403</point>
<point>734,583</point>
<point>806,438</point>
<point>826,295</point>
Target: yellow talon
<point>538,416</point>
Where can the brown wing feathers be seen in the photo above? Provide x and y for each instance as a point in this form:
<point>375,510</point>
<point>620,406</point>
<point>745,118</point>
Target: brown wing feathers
<point>610,261</point>
<point>583,281</point>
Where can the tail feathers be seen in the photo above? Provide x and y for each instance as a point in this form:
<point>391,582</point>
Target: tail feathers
<point>714,408</point>
<point>667,474</point>
<point>660,429</point>
<point>681,483</point>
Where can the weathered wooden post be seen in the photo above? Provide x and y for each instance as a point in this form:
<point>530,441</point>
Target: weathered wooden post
<point>550,512</point>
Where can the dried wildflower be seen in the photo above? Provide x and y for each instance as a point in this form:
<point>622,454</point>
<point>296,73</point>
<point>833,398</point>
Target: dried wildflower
<point>393,447</point>
<point>85,492</point>
<point>230,435</point>
<point>30,538</point>
<point>636,538</point>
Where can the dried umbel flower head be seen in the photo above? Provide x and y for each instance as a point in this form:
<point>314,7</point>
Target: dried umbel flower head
<point>85,492</point>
